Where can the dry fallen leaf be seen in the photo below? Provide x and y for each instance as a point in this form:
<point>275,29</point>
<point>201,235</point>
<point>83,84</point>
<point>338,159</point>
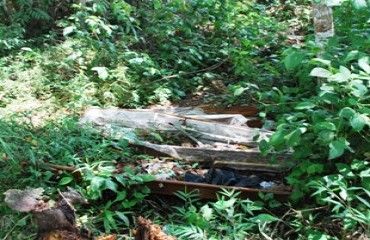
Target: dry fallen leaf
<point>107,237</point>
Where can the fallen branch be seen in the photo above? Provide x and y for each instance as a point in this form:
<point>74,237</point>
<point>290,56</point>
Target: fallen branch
<point>194,72</point>
<point>60,167</point>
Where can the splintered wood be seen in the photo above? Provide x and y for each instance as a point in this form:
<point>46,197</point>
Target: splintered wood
<point>225,138</point>
<point>147,230</point>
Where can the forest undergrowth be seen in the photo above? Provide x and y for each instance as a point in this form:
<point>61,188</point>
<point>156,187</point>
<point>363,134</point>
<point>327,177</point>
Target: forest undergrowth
<point>57,58</point>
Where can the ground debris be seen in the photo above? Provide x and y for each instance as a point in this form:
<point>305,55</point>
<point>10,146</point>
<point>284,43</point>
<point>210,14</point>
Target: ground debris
<point>56,222</point>
<point>107,237</point>
<point>23,200</point>
<point>147,230</point>
<point>180,134</point>
<point>60,235</point>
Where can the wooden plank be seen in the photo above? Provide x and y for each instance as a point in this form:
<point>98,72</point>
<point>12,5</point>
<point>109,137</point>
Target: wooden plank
<point>240,159</point>
<point>209,191</point>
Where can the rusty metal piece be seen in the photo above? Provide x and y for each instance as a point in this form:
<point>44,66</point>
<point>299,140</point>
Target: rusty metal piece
<point>209,191</point>
<point>243,110</point>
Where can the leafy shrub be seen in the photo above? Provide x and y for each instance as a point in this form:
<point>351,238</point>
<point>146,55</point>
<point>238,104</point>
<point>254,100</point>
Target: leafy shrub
<point>330,125</point>
<point>347,194</point>
<point>132,46</point>
<point>27,153</point>
<point>228,218</point>
<point>12,37</point>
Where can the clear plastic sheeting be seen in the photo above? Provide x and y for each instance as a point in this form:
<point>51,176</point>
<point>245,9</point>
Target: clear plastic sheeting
<point>208,131</point>
<point>226,128</point>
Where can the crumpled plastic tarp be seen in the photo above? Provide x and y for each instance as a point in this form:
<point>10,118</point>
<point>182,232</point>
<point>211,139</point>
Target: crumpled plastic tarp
<point>229,130</point>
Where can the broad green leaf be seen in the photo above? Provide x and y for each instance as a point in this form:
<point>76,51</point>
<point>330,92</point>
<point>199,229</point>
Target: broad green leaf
<point>345,170</point>
<point>365,173</point>
<point>147,177</point>
<point>264,146</point>
<point>358,164</point>
<point>277,138</point>
<point>319,60</point>
<point>339,77</point>
<point>345,71</point>
<point>326,136</point>
<point>326,89</point>
<point>68,30</point>
<point>320,72</point>
<point>121,196</point>
<point>102,72</point>
<point>364,64</point>
<point>239,91</point>
<point>224,204</point>
<point>263,217</point>
<point>139,195</point>
<point>359,121</point>
<point>364,110</point>
<point>305,105</point>
<point>274,203</point>
<point>337,148</point>
<point>347,113</point>
<point>343,76</point>
<point>325,126</point>
<point>207,212</point>
<point>109,184</point>
<point>65,180</point>
<point>157,4</point>
<point>351,56</point>
<point>343,193</point>
<point>359,89</point>
<point>294,137</point>
<point>129,204</point>
<point>293,60</point>
<point>315,168</point>
<point>120,179</point>
<point>349,223</point>
<point>96,183</point>
<point>123,217</point>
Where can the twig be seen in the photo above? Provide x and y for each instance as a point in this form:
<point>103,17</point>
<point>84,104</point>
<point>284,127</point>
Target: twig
<point>65,199</point>
<point>260,228</point>
<point>60,167</point>
<point>194,72</point>
<point>281,220</point>
<point>311,209</point>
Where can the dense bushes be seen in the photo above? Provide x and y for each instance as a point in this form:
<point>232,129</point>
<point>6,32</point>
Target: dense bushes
<point>66,55</point>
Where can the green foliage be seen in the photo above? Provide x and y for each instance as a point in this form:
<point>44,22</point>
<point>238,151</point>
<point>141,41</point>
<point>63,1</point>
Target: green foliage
<point>328,125</point>
<point>27,153</point>
<point>132,54</point>
<point>324,122</point>
<point>347,194</point>
<point>35,16</point>
<point>136,45</point>
<point>228,218</point>
<point>11,37</point>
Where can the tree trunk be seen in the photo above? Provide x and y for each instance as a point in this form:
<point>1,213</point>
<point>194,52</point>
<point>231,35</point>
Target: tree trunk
<point>323,22</point>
